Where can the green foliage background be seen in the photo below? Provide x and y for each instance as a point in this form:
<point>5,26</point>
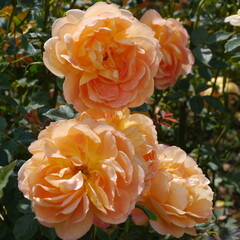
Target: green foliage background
<point>208,127</point>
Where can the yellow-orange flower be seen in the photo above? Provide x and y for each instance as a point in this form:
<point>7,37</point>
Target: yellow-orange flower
<point>223,86</point>
<point>138,128</point>
<point>81,173</point>
<point>20,17</point>
<point>179,194</point>
<point>108,58</point>
<point>234,19</point>
<point>173,38</point>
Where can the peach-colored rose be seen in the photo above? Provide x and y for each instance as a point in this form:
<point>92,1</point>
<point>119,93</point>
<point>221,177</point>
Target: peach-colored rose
<point>179,194</point>
<point>138,128</point>
<point>81,173</point>
<point>220,88</point>
<point>108,58</point>
<point>234,19</point>
<point>173,38</point>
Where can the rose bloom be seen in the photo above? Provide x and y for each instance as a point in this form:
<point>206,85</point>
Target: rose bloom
<point>81,173</point>
<point>108,58</point>
<point>138,128</point>
<point>234,19</point>
<point>220,88</point>
<point>173,38</point>
<point>179,194</point>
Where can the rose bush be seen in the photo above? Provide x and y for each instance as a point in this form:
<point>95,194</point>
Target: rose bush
<point>93,171</point>
<point>108,58</point>
<point>81,173</point>
<point>179,194</point>
<point>173,38</point>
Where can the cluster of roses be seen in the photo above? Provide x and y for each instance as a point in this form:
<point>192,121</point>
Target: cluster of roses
<point>95,168</point>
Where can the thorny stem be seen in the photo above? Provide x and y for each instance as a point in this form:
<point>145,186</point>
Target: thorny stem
<point>182,125</point>
<point>214,83</point>
<point>46,14</point>
<point>203,125</point>
<point>198,12</point>
<point>55,94</point>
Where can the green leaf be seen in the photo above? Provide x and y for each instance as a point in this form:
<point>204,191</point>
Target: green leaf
<point>230,233</point>
<point>4,228</point>
<point>232,44</point>
<point>32,106</point>
<point>60,83</point>
<point>207,149</point>
<point>28,47</point>
<point>175,96</point>
<point>143,108</point>
<point>12,49</point>
<point>138,232</point>
<point>196,104</point>
<point>4,157</point>
<point>205,72</point>
<point>214,103</point>
<point>11,146</point>
<point>218,64</point>
<point>202,88</point>
<point>3,124</point>
<point>148,212</point>
<point>218,36</point>
<point>25,227</point>
<point>13,102</point>
<point>236,58</point>
<point>49,233</point>
<point>34,67</point>
<point>204,55</point>
<point>114,234</point>
<point>26,138</point>
<point>101,234</point>
<point>62,113</point>
<point>183,84</point>
<point>198,36</point>
<point>40,97</point>
<point>30,4</point>
<point>5,81</point>
<point>213,166</point>
<point>24,206</point>
<point>5,173</point>
<point>235,176</point>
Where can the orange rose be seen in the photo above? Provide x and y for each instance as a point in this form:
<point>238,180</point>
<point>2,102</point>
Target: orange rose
<point>179,194</point>
<point>138,128</point>
<point>173,38</point>
<point>108,58</point>
<point>81,173</point>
